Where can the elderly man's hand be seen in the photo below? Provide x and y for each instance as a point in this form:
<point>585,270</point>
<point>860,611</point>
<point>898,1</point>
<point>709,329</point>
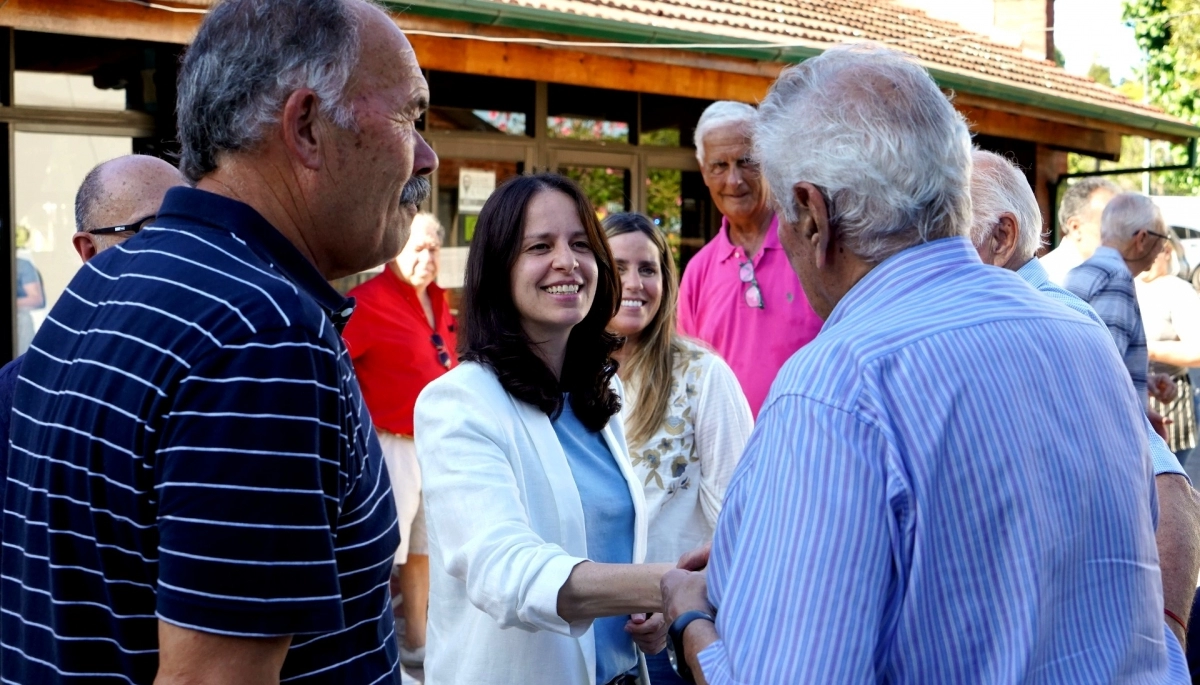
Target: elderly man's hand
<point>684,591</point>
<point>695,559</point>
<point>649,633</point>
<point>1162,387</point>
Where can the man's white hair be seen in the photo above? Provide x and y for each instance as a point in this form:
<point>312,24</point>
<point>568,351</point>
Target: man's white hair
<point>1126,214</point>
<point>870,128</point>
<point>722,113</point>
<point>998,186</point>
<point>425,220</point>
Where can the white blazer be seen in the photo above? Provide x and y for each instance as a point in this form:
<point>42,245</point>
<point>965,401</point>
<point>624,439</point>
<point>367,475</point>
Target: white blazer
<point>505,527</point>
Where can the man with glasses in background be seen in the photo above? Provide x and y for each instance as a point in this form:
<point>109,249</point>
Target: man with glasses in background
<point>401,339</point>
<point>739,294</point>
<point>1131,235</point>
<point>116,199</point>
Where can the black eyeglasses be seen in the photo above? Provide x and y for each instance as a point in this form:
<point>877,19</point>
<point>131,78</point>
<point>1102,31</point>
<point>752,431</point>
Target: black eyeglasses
<point>440,345</point>
<point>1156,234</point>
<point>125,228</point>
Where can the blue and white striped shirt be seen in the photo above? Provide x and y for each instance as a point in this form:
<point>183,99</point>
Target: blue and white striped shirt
<point>1035,274</point>
<point>189,444</point>
<point>917,504</point>
<point>1104,282</point>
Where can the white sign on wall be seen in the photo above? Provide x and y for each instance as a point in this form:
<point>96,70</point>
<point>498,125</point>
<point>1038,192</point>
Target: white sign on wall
<point>474,188</point>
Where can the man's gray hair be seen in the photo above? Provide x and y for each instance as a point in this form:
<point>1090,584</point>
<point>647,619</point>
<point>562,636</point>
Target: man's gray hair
<point>722,113</point>
<point>870,128</point>
<point>87,197</point>
<point>998,186</point>
<point>1126,214</point>
<point>247,59</point>
<point>1079,195</point>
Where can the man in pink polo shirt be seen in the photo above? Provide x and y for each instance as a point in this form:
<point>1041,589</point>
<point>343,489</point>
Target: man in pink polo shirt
<point>739,293</point>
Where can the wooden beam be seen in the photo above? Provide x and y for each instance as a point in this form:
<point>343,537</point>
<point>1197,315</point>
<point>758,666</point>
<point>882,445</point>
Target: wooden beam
<point>93,122</point>
<point>962,100</point>
<point>557,65</point>
<point>101,18</point>
<point>1096,142</point>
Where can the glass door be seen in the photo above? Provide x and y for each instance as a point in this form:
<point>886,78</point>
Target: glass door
<point>607,178</point>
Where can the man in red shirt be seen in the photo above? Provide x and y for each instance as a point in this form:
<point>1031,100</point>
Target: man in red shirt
<point>400,338</point>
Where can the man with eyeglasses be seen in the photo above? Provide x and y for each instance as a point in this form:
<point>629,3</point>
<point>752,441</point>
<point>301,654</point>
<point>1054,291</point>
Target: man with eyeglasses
<point>1131,235</point>
<point>116,199</point>
<point>738,293</point>
<point>401,339</point>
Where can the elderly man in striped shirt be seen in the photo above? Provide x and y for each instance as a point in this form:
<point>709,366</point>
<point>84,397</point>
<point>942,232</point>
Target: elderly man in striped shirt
<point>916,504</point>
<point>194,491</point>
<point>1006,228</point>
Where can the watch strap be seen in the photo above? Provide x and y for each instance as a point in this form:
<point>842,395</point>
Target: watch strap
<point>675,644</point>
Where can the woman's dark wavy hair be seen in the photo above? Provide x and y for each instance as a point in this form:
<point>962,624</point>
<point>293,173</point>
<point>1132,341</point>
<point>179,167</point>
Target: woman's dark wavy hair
<point>494,335</point>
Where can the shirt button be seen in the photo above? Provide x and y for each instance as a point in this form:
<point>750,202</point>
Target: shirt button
<point>347,311</point>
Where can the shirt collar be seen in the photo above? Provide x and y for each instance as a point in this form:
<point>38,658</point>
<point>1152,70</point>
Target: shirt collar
<point>905,271</point>
<point>728,250</point>
<point>1110,255</point>
<point>184,207</point>
<point>1034,273</point>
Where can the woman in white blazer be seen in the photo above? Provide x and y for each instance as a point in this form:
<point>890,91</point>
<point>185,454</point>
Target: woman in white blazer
<point>535,517</point>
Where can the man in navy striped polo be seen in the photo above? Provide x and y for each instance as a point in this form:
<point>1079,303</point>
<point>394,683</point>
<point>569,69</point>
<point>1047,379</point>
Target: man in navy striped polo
<point>916,503</point>
<point>194,491</point>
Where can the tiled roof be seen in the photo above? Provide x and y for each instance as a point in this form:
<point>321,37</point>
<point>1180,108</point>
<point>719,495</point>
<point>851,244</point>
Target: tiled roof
<point>820,23</point>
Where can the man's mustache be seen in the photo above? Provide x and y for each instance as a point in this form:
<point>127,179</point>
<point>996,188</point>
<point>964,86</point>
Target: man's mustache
<point>415,191</point>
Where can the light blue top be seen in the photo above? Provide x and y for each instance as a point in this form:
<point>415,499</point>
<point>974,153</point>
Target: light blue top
<point>1036,275</point>
<point>609,520</point>
<point>918,503</point>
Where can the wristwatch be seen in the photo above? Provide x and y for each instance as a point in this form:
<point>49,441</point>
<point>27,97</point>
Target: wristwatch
<point>675,644</point>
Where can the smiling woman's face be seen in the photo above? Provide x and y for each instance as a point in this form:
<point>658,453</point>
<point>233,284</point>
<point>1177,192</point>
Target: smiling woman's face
<point>639,264</point>
<point>554,277</point>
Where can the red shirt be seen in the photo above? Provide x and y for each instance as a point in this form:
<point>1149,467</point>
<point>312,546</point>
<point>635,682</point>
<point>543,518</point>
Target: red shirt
<point>391,344</point>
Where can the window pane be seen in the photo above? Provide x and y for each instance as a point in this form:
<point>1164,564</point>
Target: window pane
<point>606,187</point>
<point>580,113</point>
<point>44,89</point>
<point>49,168</point>
<point>484,104</point>
<point>669,121</point>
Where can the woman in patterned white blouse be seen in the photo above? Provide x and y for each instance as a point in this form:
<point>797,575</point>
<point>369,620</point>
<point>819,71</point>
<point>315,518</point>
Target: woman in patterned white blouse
<point>686,419</point>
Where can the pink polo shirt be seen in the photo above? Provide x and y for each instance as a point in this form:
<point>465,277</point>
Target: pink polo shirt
<point>755,342</point>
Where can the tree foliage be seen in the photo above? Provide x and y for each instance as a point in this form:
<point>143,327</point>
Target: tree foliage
<point>1168,31</point>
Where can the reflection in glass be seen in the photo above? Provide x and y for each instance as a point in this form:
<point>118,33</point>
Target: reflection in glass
<point>575,128</point>
<point>481,104</point>
<point>478,120</point>
<point>49,168</point>
<point>606,187</point>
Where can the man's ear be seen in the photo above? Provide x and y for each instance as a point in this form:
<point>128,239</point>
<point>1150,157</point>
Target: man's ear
<point>1004,238</point>
<point>85,245</point>
<point>814,220</point>
<point>301,128</point>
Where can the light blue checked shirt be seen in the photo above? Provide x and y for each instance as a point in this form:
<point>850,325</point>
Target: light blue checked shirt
<point>1104,282</point>
<point>918,505</point>
<point>1035,274</point>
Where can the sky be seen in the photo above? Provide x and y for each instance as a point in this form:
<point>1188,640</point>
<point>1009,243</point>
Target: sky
<point>1091,31</point>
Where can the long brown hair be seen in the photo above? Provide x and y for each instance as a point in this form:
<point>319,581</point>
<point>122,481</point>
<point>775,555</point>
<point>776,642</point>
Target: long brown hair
<point>650,361</point>
<point>494,335</point>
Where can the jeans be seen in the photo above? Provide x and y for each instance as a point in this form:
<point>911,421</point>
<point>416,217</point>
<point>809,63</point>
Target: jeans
<point>661,672</point>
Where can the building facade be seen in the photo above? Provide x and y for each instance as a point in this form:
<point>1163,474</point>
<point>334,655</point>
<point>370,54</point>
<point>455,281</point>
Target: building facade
<point>606,92</point>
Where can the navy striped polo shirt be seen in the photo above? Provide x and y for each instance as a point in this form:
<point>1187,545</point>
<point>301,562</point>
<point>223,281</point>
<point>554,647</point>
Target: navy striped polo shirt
<point>189,444</point>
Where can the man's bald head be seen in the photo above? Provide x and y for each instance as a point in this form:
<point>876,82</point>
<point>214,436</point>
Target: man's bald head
<point>120,192</point>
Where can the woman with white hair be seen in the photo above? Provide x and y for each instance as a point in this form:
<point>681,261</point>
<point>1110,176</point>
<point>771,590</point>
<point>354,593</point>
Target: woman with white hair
<point>1171,316</point>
